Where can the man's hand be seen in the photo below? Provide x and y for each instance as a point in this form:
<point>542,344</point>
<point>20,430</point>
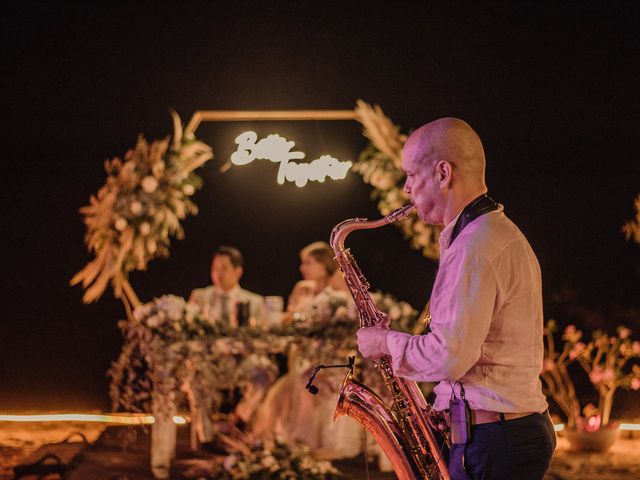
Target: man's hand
<point>372,341</point>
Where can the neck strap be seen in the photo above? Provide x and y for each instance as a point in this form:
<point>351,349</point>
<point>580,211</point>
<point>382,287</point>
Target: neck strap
<point>481,205</point>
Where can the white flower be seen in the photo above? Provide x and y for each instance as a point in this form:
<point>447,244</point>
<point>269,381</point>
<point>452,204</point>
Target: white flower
<point>145,228</point>
<point>188,189</point>
<point>229,462</point>
<point>121,224</point>
<point>395,312</point>
<point>153,322</point>
<point>191,310</point>
<point>149,184</point>
<point>174,312</point>
<point>138,313</point>
<point>136,208</point>
<point>269,461</point>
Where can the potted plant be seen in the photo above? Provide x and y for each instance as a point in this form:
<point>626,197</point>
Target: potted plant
<point>605,360</point>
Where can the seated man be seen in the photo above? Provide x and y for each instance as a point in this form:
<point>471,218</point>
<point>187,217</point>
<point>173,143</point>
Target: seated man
<point>225,300</point>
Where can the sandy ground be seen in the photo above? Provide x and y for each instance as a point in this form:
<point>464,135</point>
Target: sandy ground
<point>19,440</point>
<point>622,462</point>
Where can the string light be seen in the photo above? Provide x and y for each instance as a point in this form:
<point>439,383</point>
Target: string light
<point>623,426</point>
<point>123,419</point>
<point>146,419</point>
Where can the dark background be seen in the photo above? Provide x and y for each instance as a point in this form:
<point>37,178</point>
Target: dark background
<point>552,90</point>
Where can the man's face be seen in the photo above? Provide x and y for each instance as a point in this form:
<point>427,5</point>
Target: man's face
<point>223,274</point>
<point>421,185</point>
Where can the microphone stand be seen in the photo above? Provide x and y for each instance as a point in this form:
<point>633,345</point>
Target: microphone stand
<point>312,388</point>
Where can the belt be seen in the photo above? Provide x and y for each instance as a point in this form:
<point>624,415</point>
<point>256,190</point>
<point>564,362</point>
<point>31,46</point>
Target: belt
<point>478,417</point>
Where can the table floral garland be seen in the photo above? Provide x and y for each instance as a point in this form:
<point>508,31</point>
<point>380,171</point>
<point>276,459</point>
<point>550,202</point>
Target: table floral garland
<point>169,342</point>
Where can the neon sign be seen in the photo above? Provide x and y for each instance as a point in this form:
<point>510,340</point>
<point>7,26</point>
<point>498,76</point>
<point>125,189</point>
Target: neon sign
<point>278,150</point>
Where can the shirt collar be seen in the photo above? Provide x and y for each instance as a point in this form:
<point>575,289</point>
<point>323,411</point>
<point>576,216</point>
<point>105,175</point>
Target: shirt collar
<point>231,293</point>
<point>445,234</point>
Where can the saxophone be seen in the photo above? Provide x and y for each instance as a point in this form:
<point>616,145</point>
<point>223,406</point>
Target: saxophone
<point>407,431</point>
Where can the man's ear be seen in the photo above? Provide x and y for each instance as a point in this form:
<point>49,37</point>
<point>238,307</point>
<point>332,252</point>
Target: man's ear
<point>444,171</point>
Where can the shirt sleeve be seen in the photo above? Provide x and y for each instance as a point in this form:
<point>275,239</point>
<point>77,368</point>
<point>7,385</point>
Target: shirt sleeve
<point>462,305</point>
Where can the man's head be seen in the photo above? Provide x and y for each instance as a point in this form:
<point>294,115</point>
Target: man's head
<point>226,267</point>
<point>444,162</point>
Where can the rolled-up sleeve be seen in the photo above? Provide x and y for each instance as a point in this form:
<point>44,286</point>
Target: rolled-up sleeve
<point>463,301</point>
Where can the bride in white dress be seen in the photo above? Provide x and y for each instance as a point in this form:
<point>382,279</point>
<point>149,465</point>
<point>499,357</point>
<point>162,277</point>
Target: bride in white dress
<point>289,412</point>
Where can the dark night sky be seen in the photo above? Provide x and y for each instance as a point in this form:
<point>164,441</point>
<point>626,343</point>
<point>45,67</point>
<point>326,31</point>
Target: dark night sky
<point>552,91</point>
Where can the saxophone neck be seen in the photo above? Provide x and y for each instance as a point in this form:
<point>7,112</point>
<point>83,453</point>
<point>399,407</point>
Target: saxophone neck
<point>340,231</point>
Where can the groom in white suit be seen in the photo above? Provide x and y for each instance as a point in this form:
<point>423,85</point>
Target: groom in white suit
<point>225,301</point>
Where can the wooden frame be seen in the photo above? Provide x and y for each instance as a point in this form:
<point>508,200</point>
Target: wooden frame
<point>264,115</point>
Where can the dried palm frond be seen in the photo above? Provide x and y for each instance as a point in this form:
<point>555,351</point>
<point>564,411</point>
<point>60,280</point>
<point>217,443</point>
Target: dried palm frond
<point>380,165</point>
<point>632,228</point>
<point>378,128</point>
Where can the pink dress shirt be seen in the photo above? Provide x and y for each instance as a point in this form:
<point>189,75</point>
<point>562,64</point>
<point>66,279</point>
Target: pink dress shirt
<point>486,328</point>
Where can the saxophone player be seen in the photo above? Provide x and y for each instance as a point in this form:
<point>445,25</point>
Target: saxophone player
<point>485,344</point>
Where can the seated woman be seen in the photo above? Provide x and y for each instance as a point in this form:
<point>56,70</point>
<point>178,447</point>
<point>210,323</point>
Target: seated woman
<point>289,412</point>
<point>320,274</point>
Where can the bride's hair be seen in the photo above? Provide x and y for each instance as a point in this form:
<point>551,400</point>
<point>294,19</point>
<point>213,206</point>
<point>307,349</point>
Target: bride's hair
<point>323,253</point>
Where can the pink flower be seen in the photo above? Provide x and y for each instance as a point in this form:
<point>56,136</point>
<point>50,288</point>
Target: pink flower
<point>624,332</point>
<point>609,375</point>
<point>635,383</point>
<point>596,375</point>
<point>571,334</point>
<point>593,424</point>
<point>577,349</point>
<point>548,365</point>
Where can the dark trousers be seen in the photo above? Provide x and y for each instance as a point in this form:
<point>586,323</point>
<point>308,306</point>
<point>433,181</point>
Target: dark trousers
<point>513,449</point>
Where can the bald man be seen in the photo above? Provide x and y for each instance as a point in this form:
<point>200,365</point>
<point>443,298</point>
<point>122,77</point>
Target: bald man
<point>484,344</point>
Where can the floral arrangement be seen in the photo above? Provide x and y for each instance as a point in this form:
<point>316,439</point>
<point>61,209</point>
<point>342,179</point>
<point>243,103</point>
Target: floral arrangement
<point>380,165</point>
<point>632,228</point>
<point>275,460</point>
<point>144,364</point>
<point>132,217</point>
<point>164,352</point>
<point>323,308</point>
<point>604,359</point>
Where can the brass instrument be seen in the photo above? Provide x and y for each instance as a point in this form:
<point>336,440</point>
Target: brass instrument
<point>405,430</point>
